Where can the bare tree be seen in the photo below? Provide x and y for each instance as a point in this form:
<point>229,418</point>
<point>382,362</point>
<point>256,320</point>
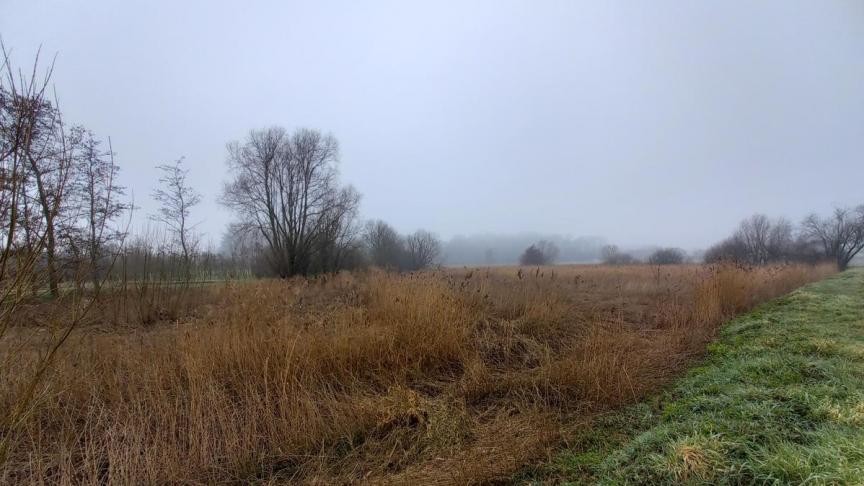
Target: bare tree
<point>764,240</point>
<point>49,162</point>
<point>285,187</point>
<point>667,256</point>
<point>177,198</point>
<point>541,253</point>
<point>338,235</point>
<point>729,250</point>
<point>23,113</point>
<point>384,245</point>
<point>613,256</point>
<point>609,252</point>
<point>781,241</point>
<point>100,198</point>
<point>35,143</point>
<point>532,256</point>
<point>841,235</point>
<point>246,251</point>
<point>759,240</point>
<point>422,249</point>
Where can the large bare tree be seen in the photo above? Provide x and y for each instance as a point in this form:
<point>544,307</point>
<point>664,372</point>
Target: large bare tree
<point>284,185</point>
<point>423,249</point>
<point>841,235</point>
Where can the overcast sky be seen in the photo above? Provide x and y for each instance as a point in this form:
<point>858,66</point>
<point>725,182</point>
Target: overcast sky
<point>662,122</point>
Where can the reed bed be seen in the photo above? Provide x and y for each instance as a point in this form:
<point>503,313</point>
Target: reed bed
<point>440,377</point>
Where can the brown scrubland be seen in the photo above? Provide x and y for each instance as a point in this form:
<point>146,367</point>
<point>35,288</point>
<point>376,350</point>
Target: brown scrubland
<point>436,377</point>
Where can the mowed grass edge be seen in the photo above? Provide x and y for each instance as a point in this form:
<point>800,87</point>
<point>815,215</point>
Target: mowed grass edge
<point>779,399</point>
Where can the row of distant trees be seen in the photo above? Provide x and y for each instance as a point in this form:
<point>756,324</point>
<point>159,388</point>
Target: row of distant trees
<point>499,249</point>
<point>761,240</point>
<point>388,249</point>
<point>63,216</point>
<point>373,243</point>
<point>294,218</point>
<point>59,198</point>
<point>612,255</point>
<point>545,253</point>
<point>63,212</point>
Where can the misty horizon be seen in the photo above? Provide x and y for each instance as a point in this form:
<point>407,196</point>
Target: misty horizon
<point>660,126</point>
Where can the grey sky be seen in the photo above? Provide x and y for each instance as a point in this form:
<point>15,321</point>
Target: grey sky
<point>644,122</point>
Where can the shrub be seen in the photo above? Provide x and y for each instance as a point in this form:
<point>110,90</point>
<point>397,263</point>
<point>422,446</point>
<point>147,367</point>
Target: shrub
<point>541,253</point>
<point>613,256</point>
<point>667,256</point>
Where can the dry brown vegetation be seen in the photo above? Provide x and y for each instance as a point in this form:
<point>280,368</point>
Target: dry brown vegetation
<point>454,376</point>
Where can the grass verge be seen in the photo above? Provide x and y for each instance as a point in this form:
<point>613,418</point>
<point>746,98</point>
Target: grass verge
<point>779,400</point>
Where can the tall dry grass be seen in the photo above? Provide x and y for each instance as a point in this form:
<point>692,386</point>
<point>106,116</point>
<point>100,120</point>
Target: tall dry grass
<point>430,378</point>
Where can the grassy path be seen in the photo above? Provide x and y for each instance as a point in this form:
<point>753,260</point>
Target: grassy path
<point>779,400</point>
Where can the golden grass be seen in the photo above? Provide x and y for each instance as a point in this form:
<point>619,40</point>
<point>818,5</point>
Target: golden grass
<point>445,377</point>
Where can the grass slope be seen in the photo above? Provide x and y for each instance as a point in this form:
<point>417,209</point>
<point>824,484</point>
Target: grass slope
<point>779,399</point>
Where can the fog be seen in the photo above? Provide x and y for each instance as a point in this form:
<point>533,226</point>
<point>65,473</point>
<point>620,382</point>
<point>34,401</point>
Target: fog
<point>636,123</point>
<point>499,249</point>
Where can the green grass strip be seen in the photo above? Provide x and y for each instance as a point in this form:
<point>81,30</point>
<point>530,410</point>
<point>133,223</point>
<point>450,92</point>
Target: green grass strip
<point>778,400</point>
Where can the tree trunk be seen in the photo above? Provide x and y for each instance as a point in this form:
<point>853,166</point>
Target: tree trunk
<point>50,247</point>
<point>842,262</point>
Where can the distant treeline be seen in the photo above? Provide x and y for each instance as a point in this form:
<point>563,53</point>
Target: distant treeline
<point>761,240</point>
<point>64,217</point>
<point>508,249</point>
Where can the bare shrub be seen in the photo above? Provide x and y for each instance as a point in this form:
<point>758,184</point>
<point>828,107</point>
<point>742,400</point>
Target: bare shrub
<point>541,253</point>
<point>613,256</point>
<point>667,256</point>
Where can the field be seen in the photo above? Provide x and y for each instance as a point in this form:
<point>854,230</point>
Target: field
<point>439,377</point>
<point>779,400</point>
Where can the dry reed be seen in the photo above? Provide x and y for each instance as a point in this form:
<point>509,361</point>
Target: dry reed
<point>455,376</point>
